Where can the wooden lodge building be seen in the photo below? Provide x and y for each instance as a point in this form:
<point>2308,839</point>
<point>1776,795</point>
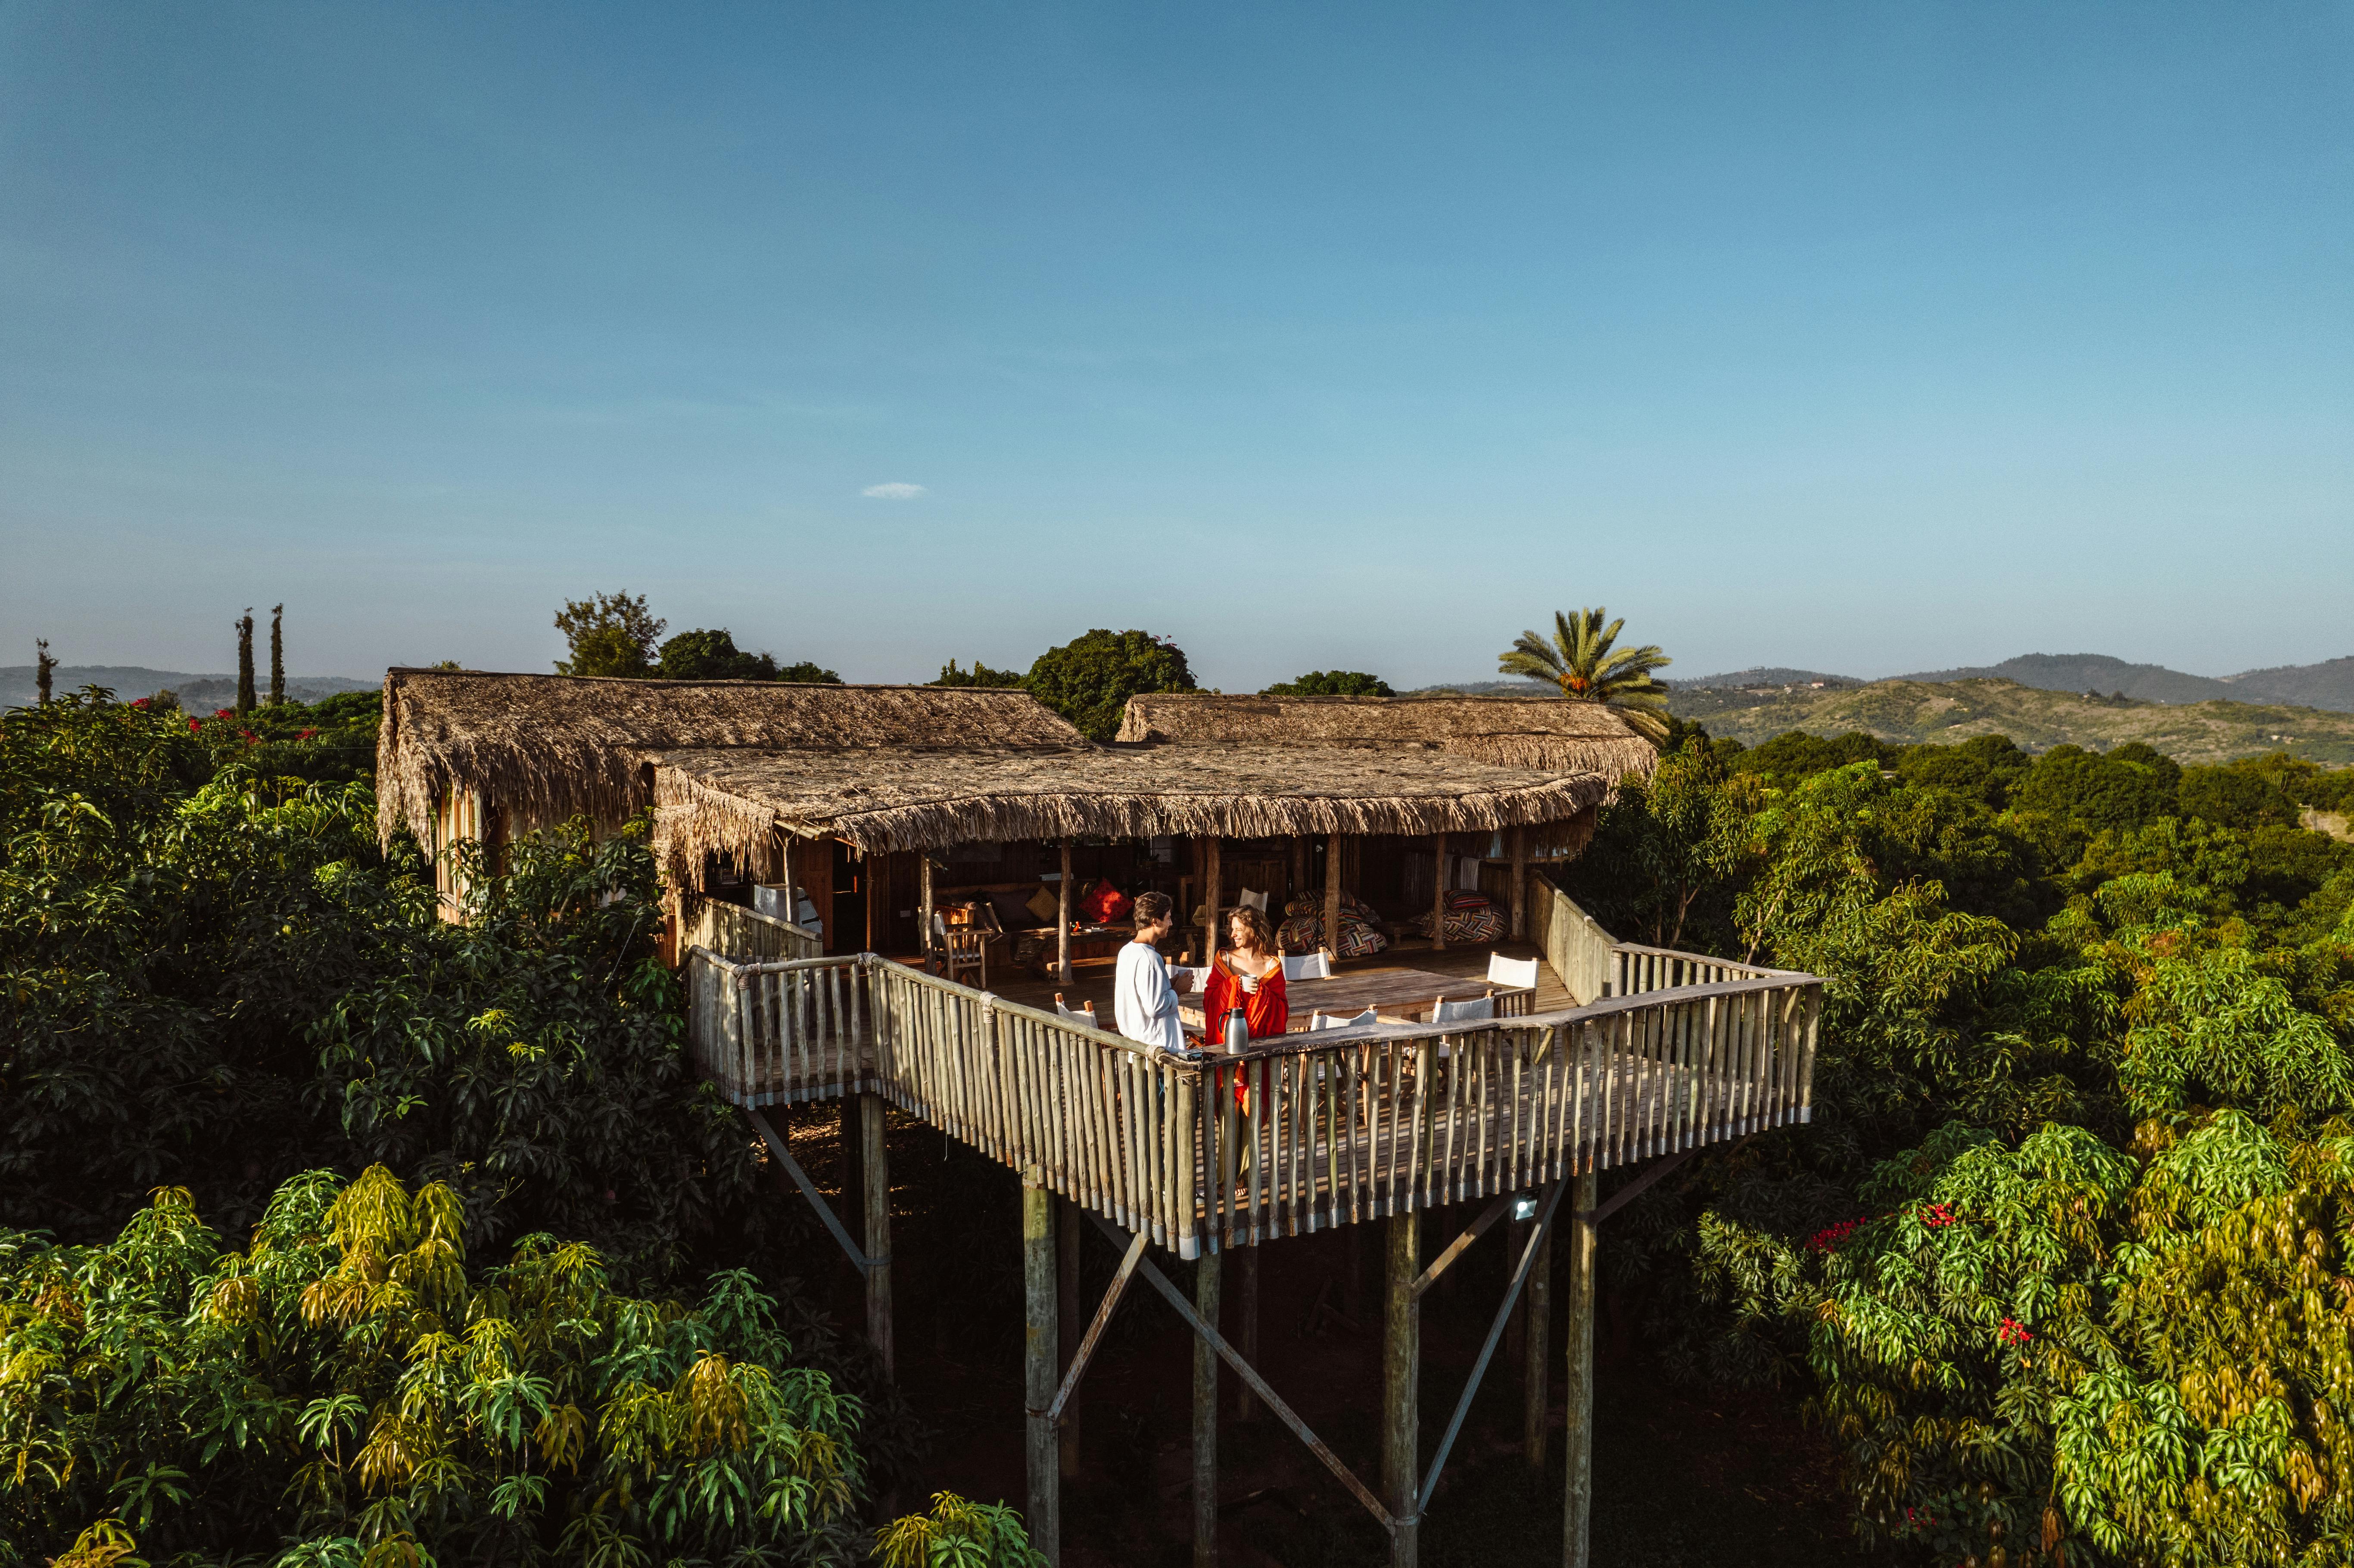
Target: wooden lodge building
<point>817,839</point>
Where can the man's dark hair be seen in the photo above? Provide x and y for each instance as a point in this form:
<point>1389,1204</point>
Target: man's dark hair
<point>1151,908</point>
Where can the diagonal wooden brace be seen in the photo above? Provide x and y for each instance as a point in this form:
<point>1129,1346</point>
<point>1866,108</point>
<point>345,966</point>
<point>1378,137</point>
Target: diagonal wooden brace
<point>1642,1184</point>
<point>1495,1332</point>
<point>1243,1369</point>
<point>809,1190</point>
<point>1429,1277</point>
<point>1096,1329</point>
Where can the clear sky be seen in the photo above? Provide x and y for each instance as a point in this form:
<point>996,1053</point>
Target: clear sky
<point>1868,337</point>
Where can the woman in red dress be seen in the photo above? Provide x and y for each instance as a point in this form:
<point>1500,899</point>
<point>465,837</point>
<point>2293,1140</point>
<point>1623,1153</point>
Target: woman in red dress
<point>1250,977</point>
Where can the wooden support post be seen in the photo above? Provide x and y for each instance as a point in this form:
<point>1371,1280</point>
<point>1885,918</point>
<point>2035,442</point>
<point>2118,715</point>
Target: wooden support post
<point>1063,920</point>
<point>1298,888</point>
<point>1206,1402</point>
<point>1521,884</point>
<point>1072,1323</point>
<point>875,1163</point>
<point>1401,1373</point>
<point>1535,1390</point>
<point>1246,1306</point>
<point>1438,891</point>
<point>1516,1328</point>
<point>1333,895</point>
<point>1038,1371</point>
<point>1210,895</point>
<point>1577,1502</point>
<point>924,905</point>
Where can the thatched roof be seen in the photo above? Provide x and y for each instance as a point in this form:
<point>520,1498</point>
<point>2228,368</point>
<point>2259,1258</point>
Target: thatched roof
<point>742,802</point>
<point>549,745</point>
<point>1547,734</point>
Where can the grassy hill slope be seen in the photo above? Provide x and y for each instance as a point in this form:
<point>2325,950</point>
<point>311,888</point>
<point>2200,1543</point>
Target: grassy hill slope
<point>1915,711</point>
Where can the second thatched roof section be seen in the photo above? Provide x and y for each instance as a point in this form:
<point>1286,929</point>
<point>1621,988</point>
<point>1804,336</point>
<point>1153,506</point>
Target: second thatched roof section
<point>744,803</point>
<point>1545,734</point>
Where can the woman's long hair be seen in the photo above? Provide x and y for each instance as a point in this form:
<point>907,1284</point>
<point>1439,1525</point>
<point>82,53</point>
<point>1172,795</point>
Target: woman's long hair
<point>1254,922</point>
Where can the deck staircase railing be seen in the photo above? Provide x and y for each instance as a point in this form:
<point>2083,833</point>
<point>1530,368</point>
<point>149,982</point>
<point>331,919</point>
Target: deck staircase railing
<point>1295,1135</point>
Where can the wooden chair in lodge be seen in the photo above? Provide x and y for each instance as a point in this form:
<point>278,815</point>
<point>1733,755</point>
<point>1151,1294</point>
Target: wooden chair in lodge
<point>959,950</point>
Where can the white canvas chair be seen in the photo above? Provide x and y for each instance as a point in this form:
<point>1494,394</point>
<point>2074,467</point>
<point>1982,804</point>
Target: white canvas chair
<point>1334,1021</point>
<point>1317,965</point>
<point>1083,1015</point>
<point>1252,900</point>
<point>1520,974</point>
<point>1464,1012</point>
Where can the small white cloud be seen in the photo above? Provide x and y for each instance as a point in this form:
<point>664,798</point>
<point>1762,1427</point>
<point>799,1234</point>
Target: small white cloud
<point>894,491</point>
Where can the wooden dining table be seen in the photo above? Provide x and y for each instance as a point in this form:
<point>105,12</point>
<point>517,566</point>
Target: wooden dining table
<point>1395,995</point>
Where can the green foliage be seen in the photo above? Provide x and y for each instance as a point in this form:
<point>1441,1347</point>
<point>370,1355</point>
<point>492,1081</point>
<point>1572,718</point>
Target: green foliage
<point>345,1389</point>
<point>610,634</point>
<point>1582,664</point>
<point>980,675</point>
<point>1331,683</point>
<point>1089,679</point>
<point>808,673</point>
<point>957,1534</point>
<point>712,656</point>
<point>214,978</point>
<point>2061,1259</point>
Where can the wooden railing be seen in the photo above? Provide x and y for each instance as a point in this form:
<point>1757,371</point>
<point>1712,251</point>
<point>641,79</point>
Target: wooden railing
<point>747,935</point>
<point>1329,1128</point>
<point>1593,964</point>
<point>1575,943</point>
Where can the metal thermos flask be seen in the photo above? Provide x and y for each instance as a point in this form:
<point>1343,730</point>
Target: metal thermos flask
<point>1237,1031</point>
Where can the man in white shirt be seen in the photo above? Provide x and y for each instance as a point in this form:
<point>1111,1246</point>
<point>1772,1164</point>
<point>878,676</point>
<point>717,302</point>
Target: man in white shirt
<point>1144,1005</point>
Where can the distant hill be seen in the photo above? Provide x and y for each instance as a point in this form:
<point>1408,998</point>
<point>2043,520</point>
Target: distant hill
<point>2092,673</point>
<point>1912,711</point>
<point>1769,675</point>
<point>2329,684</point>
<point>19,684</point>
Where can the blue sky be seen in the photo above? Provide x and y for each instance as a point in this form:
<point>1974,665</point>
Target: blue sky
<point>1868,337</point>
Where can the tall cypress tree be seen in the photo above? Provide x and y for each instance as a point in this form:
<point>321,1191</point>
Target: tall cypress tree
<point>45,664</point>
<point>245,663</point>
<point>276,655</point>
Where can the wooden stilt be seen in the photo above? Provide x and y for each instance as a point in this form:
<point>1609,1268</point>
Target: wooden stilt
<point>1439,892</point>
<point>1063,920</point>
<point>1401,1373</point>
<point>1520,841</point>
<point>874,1160</point>
<point>924,904</point>
<point>1332,908</point>
<point>1516,1330</point>
<point>1247,1306</point>
<point>1210,894</point>
<point>1038,1369</point>
<point>1536,1329</point>
<point>1205,1394</point>
<point>1578,1499</point>
<point>1072,1321</point>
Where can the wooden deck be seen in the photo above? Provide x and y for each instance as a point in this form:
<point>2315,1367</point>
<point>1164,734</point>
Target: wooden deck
<point>1333,1128</point>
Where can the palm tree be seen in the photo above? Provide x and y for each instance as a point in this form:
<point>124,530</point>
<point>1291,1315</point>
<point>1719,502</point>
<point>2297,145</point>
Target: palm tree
<point>1582,664</point>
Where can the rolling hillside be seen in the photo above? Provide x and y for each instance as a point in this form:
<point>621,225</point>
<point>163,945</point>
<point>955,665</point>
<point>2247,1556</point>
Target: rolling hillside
<point>1913,711</point>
